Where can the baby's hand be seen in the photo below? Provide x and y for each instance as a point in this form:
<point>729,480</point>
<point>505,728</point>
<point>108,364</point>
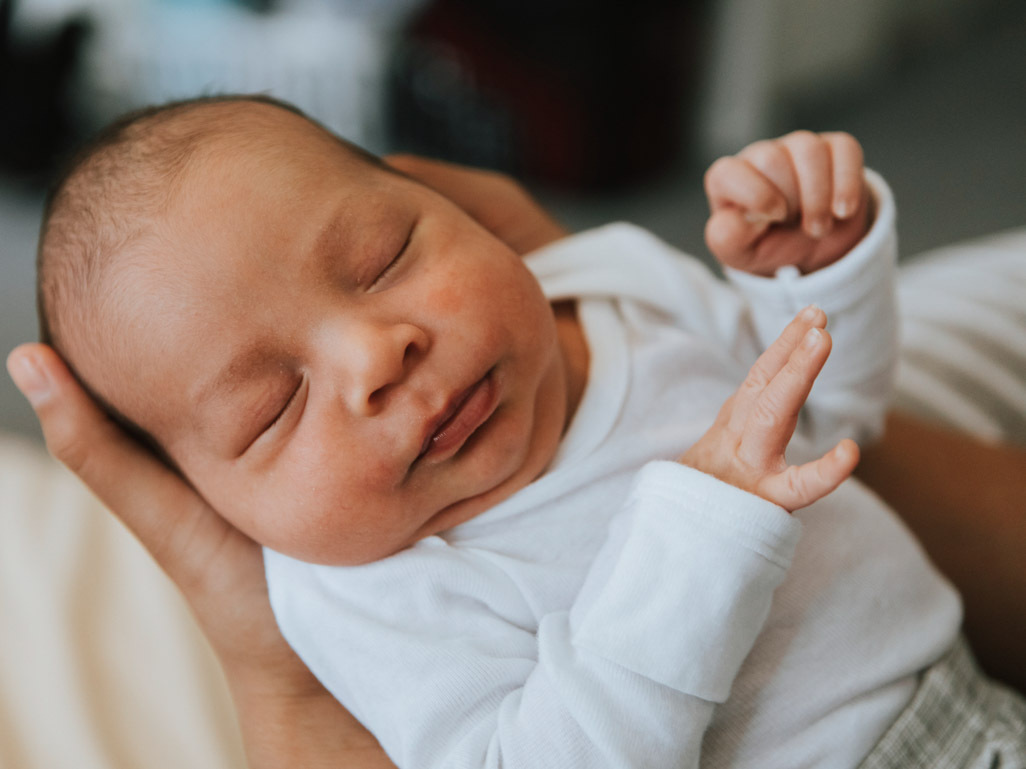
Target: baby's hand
<point>800,199</point>
<point>745,446</point>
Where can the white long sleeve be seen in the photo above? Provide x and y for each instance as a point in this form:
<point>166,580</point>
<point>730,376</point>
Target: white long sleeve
<point>436,654</point>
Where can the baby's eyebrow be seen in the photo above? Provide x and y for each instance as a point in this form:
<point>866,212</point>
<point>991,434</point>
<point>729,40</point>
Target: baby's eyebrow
<point>337,231</point>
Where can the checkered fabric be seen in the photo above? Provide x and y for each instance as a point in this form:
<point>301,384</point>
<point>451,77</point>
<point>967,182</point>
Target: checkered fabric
<point>959,719</point>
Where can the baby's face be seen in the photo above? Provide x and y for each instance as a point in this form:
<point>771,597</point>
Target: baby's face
<point>339,359</point>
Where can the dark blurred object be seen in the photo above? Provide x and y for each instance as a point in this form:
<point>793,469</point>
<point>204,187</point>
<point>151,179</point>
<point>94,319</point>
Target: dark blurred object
<point>577,93</point>
<point>258,6</point>
<point>36,124</point>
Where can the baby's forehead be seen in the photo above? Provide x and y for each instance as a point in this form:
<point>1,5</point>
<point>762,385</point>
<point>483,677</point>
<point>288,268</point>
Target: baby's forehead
<point>281,161</point>
<point>254,186</point>
<point>241,214</point>
<point>246,133</point>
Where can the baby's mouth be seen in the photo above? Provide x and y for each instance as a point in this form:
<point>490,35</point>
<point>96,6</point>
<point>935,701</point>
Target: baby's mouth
<point>464,414</point>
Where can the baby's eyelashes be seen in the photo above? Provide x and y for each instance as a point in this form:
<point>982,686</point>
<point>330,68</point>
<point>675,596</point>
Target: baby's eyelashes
<point>391,266</point>
<point>281,416</point>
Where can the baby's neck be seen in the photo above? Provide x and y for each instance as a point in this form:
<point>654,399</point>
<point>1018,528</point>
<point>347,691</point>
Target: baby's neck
<point>574,348</point>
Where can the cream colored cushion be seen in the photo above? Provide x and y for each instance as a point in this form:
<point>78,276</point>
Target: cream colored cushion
<point>101,664</point>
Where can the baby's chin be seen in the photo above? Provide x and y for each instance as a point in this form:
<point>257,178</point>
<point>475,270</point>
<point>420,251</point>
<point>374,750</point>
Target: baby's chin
<point>338,542</point>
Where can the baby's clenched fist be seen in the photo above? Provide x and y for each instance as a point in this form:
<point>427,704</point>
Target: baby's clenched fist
<point>798,200</point>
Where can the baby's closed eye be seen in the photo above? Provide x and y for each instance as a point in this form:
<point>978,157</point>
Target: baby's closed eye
<point>393,263</point>
<point>274,418</point>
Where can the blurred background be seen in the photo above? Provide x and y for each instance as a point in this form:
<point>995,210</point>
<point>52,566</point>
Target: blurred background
<point>606,110</point>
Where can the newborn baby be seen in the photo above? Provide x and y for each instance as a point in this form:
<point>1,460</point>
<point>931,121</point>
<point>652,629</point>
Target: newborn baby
<point>234,278</point>
<point>515,512</point>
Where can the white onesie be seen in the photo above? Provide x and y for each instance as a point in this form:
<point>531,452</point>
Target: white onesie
<point>624,610</point>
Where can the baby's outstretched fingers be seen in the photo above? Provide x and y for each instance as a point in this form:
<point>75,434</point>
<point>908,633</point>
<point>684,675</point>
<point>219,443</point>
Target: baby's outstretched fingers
<point>773,414</point>
<point>800,485</point>
<point>746,444</point>
<point>773,359</point>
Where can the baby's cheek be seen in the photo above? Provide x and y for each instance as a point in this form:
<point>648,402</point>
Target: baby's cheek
<point>363,530</point>
<point>447,300</point>
<point>373,475</point>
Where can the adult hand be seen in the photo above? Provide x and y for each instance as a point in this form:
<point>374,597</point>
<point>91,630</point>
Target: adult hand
<point>964,499</point>
<point>499,203</point>
<point>287,717</point>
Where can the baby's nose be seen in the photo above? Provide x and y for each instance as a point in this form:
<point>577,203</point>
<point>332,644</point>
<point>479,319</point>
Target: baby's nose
<point>378,360</point>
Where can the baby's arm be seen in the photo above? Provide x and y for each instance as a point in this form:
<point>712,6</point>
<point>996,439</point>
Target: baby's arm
<point>438,654</point>
<point>437,651</point>
<point>804,210</point>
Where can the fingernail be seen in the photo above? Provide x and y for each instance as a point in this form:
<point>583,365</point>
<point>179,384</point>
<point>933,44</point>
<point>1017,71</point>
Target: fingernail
<point>29,378</point>
<point>811,338</point>
<point>819,227</point>
<point>843,209</point>
<point>810,312</point>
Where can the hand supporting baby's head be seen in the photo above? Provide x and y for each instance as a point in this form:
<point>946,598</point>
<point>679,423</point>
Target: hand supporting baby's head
<point>339,359</point>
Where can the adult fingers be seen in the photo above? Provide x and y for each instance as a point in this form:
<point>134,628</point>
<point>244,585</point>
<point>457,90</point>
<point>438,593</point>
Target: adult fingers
<point>165,513</point>
<point>846,154</point>
<point>496,201</point>
<point>770,363</point>
<point>774,413</point>
<point>800,485</point>
<point>450,179</point>
<point>472,189</point>
<point>732,181</point>
<point>813,166</point>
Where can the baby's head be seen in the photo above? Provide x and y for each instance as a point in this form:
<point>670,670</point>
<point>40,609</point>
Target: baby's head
<point>337,358</point>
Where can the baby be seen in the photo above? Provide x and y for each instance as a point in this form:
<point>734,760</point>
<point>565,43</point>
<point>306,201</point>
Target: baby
<point>514,511</point>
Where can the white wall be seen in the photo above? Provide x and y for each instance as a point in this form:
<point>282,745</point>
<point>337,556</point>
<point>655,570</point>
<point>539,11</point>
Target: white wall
<point>764,52</point>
